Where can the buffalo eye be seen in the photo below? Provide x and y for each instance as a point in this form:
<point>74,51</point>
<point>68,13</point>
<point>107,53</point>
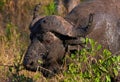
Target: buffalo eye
<point>44,21</point>
<point>43,55</point>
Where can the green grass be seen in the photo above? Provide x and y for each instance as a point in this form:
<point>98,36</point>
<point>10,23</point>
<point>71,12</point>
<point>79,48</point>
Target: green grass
<point>50,9</point>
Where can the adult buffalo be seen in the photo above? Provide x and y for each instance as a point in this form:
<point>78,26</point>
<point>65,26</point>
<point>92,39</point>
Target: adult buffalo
<point>97,19</point>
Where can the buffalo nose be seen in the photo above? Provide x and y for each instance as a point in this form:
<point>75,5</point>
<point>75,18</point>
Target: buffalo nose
<point>28,64</point>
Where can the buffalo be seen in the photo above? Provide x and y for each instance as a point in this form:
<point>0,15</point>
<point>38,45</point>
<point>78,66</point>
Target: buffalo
<point>51,35</point>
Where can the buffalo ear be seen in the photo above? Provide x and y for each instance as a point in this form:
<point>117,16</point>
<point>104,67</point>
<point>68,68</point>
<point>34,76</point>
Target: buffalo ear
<point>89,27</point>
<point>36,17</point>
<point>84,31</point>
<point>90,19</point>
<point>36,11</point>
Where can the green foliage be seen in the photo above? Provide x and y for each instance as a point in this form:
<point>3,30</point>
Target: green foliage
<point>2,3</point>
<point>90,65</point>
<point>50,9</point>
<point>36,76</point>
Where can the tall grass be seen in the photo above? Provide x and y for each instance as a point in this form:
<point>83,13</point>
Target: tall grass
<point>88,65</point>
<point>13,45</point>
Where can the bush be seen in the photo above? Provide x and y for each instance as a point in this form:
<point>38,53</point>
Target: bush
<point>92,65</point>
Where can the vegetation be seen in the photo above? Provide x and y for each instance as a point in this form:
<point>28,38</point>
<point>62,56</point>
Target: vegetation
<point>50,9</point>
<point>1,5</point>
<point>91,64</point>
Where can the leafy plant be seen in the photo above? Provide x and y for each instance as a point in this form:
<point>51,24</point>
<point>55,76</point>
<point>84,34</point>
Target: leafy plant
<point>92,65</point>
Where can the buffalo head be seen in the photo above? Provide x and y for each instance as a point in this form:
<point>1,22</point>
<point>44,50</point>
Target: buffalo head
<point>35,54</point>
<point>44,54</point>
